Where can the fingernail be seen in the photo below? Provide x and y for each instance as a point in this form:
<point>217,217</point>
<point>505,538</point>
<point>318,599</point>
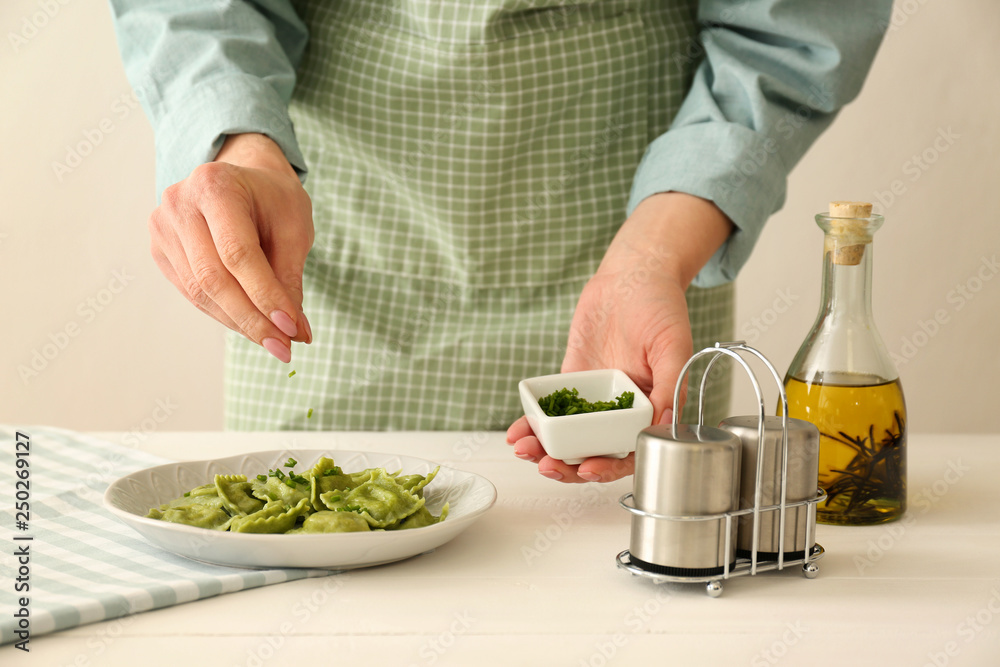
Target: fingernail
<point>589,476</point>
<point>522,455</point>
<point>551,474</point>
<point>277,348</point>
<point>667,417</point>
<point>309,331</point>
<point>285,323</point>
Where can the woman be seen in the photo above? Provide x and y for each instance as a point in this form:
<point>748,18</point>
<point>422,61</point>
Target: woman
<point>469,170</point>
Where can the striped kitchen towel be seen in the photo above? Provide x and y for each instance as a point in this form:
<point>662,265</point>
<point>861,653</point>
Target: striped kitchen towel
<point>71,560</point>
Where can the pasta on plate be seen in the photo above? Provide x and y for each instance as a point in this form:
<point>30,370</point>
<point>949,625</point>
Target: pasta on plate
<point>324,499</point>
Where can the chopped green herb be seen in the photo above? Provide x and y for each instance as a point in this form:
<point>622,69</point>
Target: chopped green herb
<point>291,463</point>
<point>291,374</point>
<point>349,508</point>
<point>262,478</point>
<point>310,414</point>
<point>568,402</point>
<point>187,494</point>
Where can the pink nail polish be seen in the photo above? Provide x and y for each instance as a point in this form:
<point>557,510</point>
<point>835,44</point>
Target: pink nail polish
<point>276,348</point>
<point>285,323</point>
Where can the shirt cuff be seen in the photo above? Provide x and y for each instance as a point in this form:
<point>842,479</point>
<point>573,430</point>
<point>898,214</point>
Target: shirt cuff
<point>193,131</point>
<point>728,164</point>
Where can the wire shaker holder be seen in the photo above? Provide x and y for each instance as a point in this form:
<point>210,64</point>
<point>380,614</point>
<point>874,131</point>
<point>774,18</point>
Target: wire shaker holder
<point>741,565</point>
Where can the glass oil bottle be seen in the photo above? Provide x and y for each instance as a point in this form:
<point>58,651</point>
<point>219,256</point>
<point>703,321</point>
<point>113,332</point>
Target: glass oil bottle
<point>843,380</point>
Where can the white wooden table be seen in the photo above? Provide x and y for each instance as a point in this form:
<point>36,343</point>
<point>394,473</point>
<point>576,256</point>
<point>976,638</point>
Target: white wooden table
<point>534,582</point>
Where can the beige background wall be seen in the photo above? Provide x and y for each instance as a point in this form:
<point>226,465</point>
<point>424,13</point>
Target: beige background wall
<point>94,338</point>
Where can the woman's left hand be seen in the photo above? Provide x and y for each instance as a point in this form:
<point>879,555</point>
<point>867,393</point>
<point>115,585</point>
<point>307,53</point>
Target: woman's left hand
<point>632,315</point>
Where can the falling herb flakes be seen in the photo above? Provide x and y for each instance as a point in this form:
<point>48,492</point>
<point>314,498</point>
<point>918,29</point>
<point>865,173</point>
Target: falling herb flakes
<point>310,413</point>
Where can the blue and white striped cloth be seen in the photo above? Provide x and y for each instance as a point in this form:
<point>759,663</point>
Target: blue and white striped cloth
<point>86,565</point>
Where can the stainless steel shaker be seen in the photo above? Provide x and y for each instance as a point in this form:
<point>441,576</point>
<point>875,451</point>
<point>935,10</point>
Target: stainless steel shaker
<point>800,484</point>
<point>681,471</point>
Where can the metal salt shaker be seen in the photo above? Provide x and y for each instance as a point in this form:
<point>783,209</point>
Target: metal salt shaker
<point>681,471</point>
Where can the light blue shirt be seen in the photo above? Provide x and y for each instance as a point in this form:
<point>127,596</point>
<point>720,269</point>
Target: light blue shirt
<point>773,75</point>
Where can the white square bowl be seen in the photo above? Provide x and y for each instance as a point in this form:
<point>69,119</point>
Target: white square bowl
<point>573,438</point>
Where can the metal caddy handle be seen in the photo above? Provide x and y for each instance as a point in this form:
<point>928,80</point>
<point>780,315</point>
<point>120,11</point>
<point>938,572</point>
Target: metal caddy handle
<point>743,566</point>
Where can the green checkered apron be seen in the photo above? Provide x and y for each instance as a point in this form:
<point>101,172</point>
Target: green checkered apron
<point>470,162</point>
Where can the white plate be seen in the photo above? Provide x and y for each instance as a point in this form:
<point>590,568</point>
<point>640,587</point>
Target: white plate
<point>131,497</point>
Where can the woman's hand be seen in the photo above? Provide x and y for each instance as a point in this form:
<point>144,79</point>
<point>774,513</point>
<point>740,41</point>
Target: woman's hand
<point>233,238</point>
<point>632,315</point>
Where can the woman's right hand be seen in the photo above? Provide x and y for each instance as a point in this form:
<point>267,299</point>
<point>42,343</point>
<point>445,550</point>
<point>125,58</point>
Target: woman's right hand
<point>233,238</point>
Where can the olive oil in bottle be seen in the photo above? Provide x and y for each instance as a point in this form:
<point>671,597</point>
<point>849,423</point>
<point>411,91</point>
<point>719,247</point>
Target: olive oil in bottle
<point>862,425</point>
<point>843,380</point>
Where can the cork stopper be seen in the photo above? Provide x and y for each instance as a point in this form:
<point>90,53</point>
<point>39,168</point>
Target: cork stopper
<point>850,209</point>
<point>848,233</point>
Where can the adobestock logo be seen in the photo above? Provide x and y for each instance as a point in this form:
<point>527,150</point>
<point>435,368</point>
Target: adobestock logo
<point>958,298</point>
<point>783,302</point>
<point>93,137</point>
<point>87,311</point>
<point>33,24</point>
<point>915,167</point>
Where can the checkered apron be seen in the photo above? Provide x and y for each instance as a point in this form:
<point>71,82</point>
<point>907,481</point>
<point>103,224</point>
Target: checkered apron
<point>470,162</point>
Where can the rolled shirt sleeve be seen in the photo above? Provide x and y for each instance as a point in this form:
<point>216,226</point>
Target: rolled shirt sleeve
<point>203,70</point>
<point>773,76</point>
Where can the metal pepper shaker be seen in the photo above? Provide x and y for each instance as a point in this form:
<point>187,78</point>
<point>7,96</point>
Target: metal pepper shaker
<point>800,483</point>
<point>685,471</point>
